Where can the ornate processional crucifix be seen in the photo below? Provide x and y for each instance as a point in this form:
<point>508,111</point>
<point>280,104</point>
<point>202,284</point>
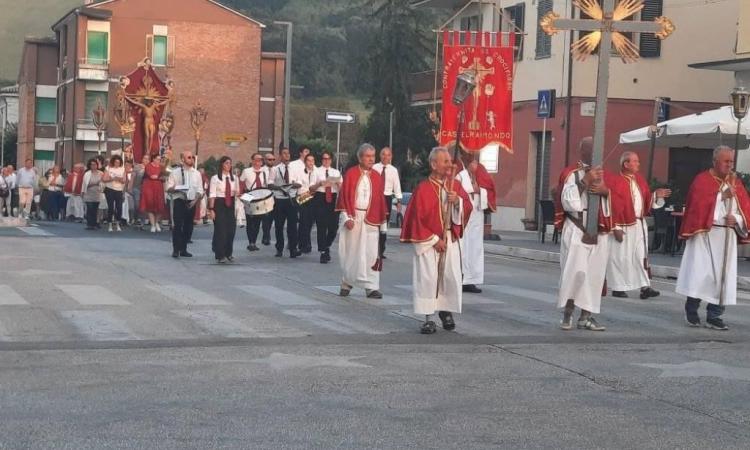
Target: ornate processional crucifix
<point>607,25</point>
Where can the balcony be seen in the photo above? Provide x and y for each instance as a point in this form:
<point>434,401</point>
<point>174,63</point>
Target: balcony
<point>93,69</point>
<point>86,131</point>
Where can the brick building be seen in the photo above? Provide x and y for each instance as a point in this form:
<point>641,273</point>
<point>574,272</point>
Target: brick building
<point>211,52</point>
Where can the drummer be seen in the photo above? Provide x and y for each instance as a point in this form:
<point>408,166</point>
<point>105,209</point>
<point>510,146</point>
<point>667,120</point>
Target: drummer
<point>252,178</point>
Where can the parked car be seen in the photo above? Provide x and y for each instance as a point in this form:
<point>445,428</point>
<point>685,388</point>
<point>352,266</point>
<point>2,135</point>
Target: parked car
<point>398,218</point>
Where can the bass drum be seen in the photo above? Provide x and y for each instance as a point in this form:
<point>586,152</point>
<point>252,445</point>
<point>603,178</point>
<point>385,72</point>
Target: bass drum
<point>258,202</point>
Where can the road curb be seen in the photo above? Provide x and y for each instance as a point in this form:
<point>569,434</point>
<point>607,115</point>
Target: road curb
<point>668,272</point>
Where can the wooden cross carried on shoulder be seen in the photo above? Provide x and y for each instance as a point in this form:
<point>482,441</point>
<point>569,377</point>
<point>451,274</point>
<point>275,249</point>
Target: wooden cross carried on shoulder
<point>607,25</point>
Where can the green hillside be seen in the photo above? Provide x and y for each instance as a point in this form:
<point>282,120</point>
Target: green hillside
<point>21,18</point>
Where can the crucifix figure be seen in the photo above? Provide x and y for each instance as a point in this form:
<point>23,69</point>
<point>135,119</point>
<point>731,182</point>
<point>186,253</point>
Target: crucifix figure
<point>481,71</point>
<point>606,26</point>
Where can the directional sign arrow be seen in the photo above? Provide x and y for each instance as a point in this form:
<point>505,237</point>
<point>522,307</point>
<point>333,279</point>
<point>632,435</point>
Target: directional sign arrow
<point>340,117</point>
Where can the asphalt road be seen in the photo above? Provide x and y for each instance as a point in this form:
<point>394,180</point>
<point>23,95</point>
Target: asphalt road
<point>107,342</point>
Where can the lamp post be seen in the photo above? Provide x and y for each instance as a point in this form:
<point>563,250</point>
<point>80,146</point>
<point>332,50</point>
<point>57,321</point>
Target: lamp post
<point>198,116</point>
<point>740,98</point>
<point>287,76</point>
<point>99,116</point>
<point>2,141</point>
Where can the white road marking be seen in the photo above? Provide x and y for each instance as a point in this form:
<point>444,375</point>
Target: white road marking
<point>332,322</point>
<point>35,231</point>
<point>99,325</point>
<point>187,295</point>
<point>466,299</point>
<point>277,296</point>
<point>359,294</point>
<point>219,323</point>
<point>89,295</point>
<point>10,297</point>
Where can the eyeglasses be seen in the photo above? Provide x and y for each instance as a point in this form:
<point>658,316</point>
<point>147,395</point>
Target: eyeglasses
<point>189,157</point>
<point>326,157</point>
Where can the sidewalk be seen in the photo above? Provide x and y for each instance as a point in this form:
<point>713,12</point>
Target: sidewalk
<point>525,244</point>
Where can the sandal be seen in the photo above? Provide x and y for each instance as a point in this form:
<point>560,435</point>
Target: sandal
<point>428,327</point>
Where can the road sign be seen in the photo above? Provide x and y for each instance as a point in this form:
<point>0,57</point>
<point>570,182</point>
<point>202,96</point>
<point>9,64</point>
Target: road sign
<point>545,106</point>
<point>340,117</point>
<point>663,109</point>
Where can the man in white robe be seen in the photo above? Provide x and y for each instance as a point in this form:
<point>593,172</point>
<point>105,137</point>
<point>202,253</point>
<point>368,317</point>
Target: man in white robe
<point>714,220</point>
<point>627,268</point>
<point>436,275</point>
<point>582,265</point>
<point>473,240</point>
<point>362,207</point>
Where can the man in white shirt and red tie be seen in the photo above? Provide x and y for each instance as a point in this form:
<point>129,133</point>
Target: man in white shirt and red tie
<point>391,187</point>
<point>186,186</point>
<point>361,201</point>
<point>326,216</point>
<point>254,177</point>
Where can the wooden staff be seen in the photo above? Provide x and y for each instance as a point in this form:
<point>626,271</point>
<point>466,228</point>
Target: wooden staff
<point>727,237</point>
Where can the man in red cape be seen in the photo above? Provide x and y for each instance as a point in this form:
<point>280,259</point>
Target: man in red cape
<point>582,265</point>
<point>362,203</point>
<point>478,184</point>
<point>715,220</point>
<point>436,276</point>
<point>632,201</point>
<point>73,188</point>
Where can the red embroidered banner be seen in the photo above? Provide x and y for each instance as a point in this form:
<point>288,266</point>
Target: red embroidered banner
<point>488,112</point>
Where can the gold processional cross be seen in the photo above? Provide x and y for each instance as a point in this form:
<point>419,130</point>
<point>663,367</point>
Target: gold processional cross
<point>607,25</point>
<point>480,72</point>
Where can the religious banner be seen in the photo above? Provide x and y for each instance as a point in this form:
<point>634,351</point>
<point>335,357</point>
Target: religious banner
<point>488,111</point>
<point>147,95</point>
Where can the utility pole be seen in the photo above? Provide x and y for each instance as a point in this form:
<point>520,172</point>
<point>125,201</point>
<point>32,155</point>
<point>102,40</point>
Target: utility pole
<point>288,76</point>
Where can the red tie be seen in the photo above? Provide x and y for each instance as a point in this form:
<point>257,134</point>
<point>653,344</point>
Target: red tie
<point>257,180</point>
<point>228,193</point>
<point>329,192</point>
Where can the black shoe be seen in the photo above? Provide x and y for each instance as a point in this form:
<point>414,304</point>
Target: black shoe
<point>694,322</point>
<point>266,242</point>
<point>428,327</point>
<point>447,319</point>
<point>279,254</point>
<point>175,254</point>
<point>252,248</point>
<point>307,251</point>
<point>716,324</point>
<point>374,293</point>
<point>620,294</point>
<point>649,292</point>
<point>324,259</point>
<point>294,253</point>
<point>472,288</point>
<point>186,254</point>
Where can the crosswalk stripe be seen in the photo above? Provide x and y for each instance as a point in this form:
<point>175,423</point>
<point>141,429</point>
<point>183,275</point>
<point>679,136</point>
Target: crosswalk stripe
<point>278,296</point>
<point>90,295</point>
<point>470,299</point>
<point>187,295</point>
<point>35,231</point>
<point>10,297</point>
<point>219,323</point>
<point>98,325</point>
<point>386,300</point>
<point>328,321</point>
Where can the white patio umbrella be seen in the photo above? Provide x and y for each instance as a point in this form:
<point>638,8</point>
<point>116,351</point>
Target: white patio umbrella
<point>702,130</point>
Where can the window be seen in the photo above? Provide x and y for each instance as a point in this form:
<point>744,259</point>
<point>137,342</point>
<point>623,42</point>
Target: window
<point>650,45</point>
<point>46,111</point>
<point>160,51</point>
<point>92,100</point>
<point>97,47</point>
<point>516,16</point>
<point>471,23</point>
<point>543,40</point>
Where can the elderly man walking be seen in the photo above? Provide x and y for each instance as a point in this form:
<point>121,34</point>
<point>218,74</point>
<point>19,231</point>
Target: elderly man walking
<point>715,221</point>
<point>362,205</point>
<point>632,201</point>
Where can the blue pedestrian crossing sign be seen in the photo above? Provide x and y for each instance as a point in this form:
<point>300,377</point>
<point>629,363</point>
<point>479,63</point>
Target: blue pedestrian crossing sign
<point>545,106</point>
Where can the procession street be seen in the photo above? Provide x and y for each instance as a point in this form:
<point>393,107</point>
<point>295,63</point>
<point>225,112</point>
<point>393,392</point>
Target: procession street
<point>106,341</point>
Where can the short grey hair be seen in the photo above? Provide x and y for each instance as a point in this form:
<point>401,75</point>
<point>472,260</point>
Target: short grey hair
<point>721,148</point>
<point>363,148</point>
<point>435,152</point>
<point>625,157</point>
<point>384,149</point>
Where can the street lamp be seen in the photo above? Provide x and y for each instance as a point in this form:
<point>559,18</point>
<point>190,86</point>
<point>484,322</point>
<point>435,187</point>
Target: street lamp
<point>739,107</point>
<point>465,84</point>
<point>5,121</point>
<point>287,75</point>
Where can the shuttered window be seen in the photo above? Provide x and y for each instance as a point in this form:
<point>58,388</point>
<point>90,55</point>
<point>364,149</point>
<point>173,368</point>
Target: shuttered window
<point>97,45</point>
<point>650,45</point>
<point>160,51</point>
<point>46,111</point>
<point>543,40</point>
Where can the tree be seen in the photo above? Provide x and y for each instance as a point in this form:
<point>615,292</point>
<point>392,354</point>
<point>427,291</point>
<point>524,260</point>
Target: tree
<point>398,49</point>
<point>11,144</point>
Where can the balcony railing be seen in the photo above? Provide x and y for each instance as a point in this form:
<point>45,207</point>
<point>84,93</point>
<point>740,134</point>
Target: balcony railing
<point>93,69</point>
<point>86,131</point>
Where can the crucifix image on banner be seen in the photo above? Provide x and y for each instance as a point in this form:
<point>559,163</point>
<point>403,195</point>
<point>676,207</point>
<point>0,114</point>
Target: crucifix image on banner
<point>488,57</point>
<point>606,26</point>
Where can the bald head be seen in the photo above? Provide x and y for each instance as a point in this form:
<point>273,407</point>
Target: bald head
<point>187,158</point>
<point>586,149</point>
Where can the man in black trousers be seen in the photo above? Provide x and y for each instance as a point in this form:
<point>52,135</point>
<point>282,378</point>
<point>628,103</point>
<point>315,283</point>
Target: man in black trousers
<point>326,216</point>
<point>270,161</point>
<point>285,207</point>
<point>185,184</point>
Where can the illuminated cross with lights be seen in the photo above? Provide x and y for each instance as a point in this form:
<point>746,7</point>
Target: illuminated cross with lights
<point>607,25</point>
